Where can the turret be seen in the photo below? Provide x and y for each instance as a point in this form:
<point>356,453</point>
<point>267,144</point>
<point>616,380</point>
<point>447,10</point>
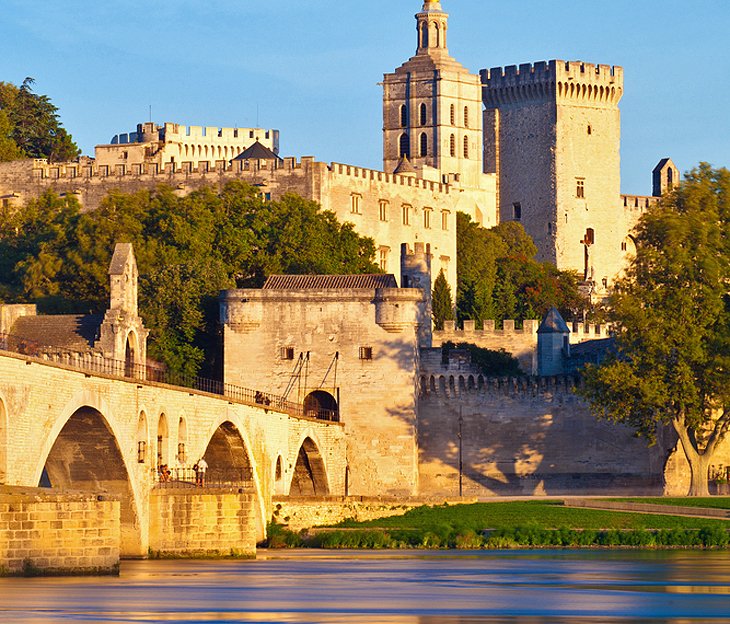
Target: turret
<point>553,344</point>
<point>664,177</point>
<point>432,27</point>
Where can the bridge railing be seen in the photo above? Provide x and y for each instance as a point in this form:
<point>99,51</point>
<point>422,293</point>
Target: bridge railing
<point>182,477</point>
<point>97,363</point>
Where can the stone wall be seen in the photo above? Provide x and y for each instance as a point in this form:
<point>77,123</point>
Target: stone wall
<point>189,523</point>
<point>57,533</point>
<point>527,437</point>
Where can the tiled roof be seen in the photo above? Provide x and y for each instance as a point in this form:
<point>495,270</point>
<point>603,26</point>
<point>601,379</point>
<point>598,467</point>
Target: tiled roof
<point>329,282</point>
<point>69,331</point>
<point>553,323</point>
<point>257,151</point>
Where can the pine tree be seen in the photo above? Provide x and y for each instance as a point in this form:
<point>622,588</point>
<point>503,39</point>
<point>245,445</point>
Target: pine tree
<point>442,305</point>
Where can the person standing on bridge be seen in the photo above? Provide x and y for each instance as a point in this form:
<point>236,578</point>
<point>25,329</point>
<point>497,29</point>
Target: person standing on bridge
<point>202,466</point>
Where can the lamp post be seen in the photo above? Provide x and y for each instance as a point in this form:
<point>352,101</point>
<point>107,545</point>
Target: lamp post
<point>461,465</point>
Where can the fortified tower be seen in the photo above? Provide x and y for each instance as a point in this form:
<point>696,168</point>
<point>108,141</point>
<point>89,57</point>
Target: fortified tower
<point>432,108</point>
<point>552,136</point>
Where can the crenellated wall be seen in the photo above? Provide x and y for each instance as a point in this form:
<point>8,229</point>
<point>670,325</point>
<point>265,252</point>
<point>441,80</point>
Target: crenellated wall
<point>527,436</point>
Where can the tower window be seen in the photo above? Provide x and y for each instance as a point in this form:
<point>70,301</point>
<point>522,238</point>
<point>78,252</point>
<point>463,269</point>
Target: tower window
<point>517,211</point>
<point>444,219</point>
<point>405,146</point>
<point>287,353</point>
<point>466,147</point>
<point>427,218</point>
<point>424,144</point>
<point>453,115</point>
<point>403,116</point>
<point>384,258</point>
<point>466,116</point>
<point>383,210</point>
<point>624,246</point>
<point>366,353</point>
<point>406,214</point>
<point>590,129</point>
<point>424,115</point>
<point>580,188</point>
<point>452,146</point>
<point>355,201</point>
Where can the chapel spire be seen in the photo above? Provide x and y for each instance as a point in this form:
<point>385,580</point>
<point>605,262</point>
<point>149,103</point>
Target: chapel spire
<point>432,27</point>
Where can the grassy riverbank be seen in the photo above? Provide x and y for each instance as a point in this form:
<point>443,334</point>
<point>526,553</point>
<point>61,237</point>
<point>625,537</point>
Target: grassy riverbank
<point>522,524</point>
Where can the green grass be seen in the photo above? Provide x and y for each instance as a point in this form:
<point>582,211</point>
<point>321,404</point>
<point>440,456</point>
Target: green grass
<point>716,502</point>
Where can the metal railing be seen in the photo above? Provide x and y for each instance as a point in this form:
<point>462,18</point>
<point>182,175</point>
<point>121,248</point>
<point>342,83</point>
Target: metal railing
<point>96,363</point>
<point>183,477</point>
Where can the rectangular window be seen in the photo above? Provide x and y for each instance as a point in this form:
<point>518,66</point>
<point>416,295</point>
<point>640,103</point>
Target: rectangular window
<point>406,214</point>
<point>366,353</point>
<point>517,211</point>
<point>580,188</point>
<point>287,353</point>
<point>383,210</point>
<point>355,200</point>
<point>384,252</point>
<point>427,218</point>
<point>444,219</point>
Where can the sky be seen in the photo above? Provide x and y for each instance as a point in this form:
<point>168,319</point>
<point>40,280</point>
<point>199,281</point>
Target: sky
<point>311,69</point>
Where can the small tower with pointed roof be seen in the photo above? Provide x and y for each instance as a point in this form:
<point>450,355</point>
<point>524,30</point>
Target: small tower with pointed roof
<point>553,344</point>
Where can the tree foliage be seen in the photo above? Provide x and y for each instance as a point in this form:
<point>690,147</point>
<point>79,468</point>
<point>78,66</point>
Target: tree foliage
<point>442,304</point>
<point>672,317</point>
<point>500,279</point>
<point>30,127</point>
<point>188,249</point>
<point>490,362</point>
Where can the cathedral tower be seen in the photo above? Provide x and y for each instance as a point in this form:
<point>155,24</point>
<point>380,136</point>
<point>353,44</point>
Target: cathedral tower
<point>552,136</point>
<point>432,108</point>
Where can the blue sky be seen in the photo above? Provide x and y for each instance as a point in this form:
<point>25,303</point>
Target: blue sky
<point>311,69</point>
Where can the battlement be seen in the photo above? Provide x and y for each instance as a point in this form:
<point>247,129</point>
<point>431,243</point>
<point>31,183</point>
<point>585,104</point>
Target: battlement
<point>552,79</point>
<point>580,332</point>
<point>639,202</point>
<point>455,386</point>
<point>371,175</point>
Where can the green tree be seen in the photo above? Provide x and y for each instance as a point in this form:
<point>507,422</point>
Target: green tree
<point>672,317</point>
<point>35,128</point>
<point>188,249</point>
<point>441,303</point>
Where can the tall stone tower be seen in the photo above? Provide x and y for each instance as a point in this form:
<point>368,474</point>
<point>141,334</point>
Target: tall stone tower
<point>432,108</point>
<point>552,136</point>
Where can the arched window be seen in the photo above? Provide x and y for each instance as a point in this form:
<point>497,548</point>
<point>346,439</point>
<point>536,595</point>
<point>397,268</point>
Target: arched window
<point>182,438</point>
<point>424,144</point>
<point>162,441</point>
<point>452,146</point>
<point>278,469</point>
<point>405,145</point>
<point>403,116</point>
<point>424,115</point>
<point>466,116</point>
<point>424,35</point>
<point>466,147</point>
<point>453,115</point>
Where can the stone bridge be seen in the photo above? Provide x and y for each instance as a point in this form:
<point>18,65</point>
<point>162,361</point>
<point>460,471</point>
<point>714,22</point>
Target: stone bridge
<point>106,433</point>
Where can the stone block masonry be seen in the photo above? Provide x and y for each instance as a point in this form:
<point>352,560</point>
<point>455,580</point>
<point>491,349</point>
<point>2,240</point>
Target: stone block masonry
<point>188,523</point>
<point>45,533</point>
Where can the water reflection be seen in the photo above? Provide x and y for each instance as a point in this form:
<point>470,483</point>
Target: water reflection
<point>393,587</point>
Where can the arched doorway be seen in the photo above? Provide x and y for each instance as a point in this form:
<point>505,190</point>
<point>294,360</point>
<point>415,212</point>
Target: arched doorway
<point>310,475</point>
<point>86,457</point>
<point>3,443</point>
<point>162,442</point>
<point>322,406</point>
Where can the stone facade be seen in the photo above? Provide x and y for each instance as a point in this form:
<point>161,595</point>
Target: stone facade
<point>186,523</point>
<point>357,346</point>
<point>44,532</point>
<point>172,144</point>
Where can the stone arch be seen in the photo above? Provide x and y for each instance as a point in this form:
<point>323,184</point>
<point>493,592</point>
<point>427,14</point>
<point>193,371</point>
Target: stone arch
<point>442,384</point>
<point>85,455</point>
<point>452,385</point>
<point>231,463</point>
<point>404,145</point>
<point>3,442</point>
<point>163,441</point>
<point>432,383</point>
<point>131,351</point>
<point>143,438</point>
<point>462,384</point>
<point>423,140</point>
<point>470,383</point>
<point>310,475</point>
<point>182,442</point>
<point>322,406</point>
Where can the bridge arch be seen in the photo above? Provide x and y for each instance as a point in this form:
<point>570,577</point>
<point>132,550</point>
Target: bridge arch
<point>309,477</point>
<point>83,452</point>
<point>3,442</point>
<point>227,453</point>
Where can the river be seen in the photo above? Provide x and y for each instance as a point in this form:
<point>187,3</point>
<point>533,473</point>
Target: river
<point>393,587</point>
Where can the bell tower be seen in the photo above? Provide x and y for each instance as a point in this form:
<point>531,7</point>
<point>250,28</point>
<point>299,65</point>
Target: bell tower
<point>432,109</point>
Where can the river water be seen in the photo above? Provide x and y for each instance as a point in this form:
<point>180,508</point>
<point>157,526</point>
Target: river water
<point>392,587</point>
